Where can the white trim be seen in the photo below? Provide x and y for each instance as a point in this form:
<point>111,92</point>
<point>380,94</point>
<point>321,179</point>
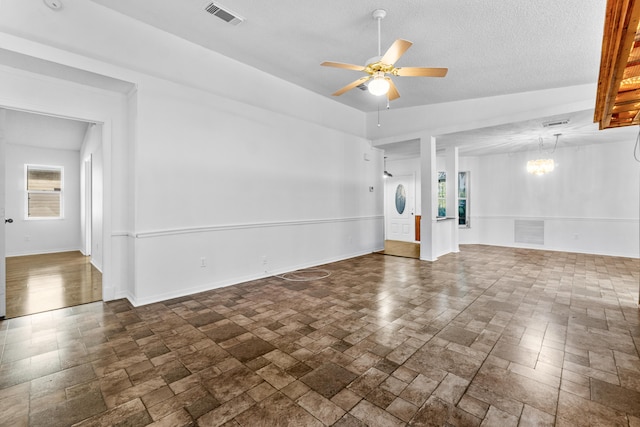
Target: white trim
<point>95,266</point>
<point>556,218</point>
<point>224,283</point>
<point>211,228</point>
<point>46,251</point>
<point>122,234</point>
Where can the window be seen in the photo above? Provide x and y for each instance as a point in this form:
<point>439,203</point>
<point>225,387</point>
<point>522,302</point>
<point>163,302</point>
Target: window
<point>44,192</point>
<point>463,199</point>
<point>442,194</point>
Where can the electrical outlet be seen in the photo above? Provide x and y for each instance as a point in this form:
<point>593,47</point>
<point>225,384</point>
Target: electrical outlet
<point>203,262</point>
<point>264,259</point>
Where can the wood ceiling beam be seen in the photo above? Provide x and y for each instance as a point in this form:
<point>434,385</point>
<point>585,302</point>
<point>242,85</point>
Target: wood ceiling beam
<point>620,27</point>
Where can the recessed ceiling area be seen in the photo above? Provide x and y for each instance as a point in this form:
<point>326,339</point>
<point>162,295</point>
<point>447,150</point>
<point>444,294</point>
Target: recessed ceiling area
<point>489,49</point>
<point>520,136</point>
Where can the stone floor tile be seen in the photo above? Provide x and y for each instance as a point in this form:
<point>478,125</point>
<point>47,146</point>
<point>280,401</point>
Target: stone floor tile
<point>572,408</point>
<point>320,407</point>
<point>436,412</point>
<point>402,409</point>
<point>277,410</point>
<point>451,388</point>
<point>374,416</point>
<point>473,406</point>
<point>496,417</point>
<point>127,412</point>
<point>227,411</point>
<point>275,376</point>
<point>518,387</point>
<point>346,399</point>
<point>494,335</point>
<point>419,390</point>
<point>328,379</point>
<point>14,402</point>
<point>616,397</point>
<point>532,417</point>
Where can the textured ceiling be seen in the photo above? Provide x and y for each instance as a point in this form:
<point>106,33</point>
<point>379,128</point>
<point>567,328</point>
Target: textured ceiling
<point>519,136</point>
<point>490,47</point>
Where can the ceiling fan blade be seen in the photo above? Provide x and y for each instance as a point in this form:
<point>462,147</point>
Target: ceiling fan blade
<point>421,72</point>
<point>393,90</point>
<point>351,86</point>
<point>397,49</point>
<point>342,65</point>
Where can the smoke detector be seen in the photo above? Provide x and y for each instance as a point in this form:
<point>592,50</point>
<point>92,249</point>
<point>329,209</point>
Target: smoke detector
<point>224,13</point>
<point>53,4</point>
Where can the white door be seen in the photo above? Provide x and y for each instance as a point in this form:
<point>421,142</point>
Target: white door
<point>3,273</point>
<point>399,208</point>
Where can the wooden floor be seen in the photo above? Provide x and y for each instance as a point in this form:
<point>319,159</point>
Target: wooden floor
<point>402,249</point>
<point>38,283</point>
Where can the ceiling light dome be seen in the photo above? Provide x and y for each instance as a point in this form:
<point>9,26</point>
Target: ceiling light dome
<point>378,86</point>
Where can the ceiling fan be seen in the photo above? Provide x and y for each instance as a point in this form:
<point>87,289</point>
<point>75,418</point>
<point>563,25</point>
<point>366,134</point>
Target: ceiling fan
<point>381,67</point>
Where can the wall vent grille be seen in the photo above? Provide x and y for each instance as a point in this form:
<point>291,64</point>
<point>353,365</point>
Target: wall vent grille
<point>529,231</point>
<point>553,123</point>
<point>223,13</point>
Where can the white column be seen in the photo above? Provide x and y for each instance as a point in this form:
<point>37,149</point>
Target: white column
<point>429,193</point>
<point>451,163</point>
<point>3,284</point>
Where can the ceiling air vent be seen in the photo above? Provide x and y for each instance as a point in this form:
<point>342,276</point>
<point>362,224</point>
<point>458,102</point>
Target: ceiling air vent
<point>223,13</point>
<point>552,123</point>
<point>362,86</point>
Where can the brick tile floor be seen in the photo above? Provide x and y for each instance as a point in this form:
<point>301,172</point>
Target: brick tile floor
<point>488,336</point>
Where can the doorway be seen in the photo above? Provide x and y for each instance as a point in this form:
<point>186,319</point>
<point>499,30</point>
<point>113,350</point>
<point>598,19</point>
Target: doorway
<point>400,228</point>
<point>48,264</point>
<point>400,208</point>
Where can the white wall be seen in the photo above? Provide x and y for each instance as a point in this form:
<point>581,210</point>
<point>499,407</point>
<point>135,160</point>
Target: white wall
<point>238,185</point>
<point>27,237</point>
<point>226,172</point>
<point>589,203</point>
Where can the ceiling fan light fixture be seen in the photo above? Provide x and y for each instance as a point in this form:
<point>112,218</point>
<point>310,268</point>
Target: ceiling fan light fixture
<point>378,85</point>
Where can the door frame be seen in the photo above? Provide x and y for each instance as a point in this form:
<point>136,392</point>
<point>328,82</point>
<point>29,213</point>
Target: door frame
<point>389,199</point>
<point>87,192</point>
<point>106,136</point>
<point>3,273</point>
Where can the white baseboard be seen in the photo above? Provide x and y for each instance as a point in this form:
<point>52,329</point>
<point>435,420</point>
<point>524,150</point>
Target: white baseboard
<point>50,251</point>
<point>232,281</point>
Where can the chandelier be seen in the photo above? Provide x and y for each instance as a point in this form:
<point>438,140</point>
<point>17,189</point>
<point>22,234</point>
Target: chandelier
<point>542,166</point>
